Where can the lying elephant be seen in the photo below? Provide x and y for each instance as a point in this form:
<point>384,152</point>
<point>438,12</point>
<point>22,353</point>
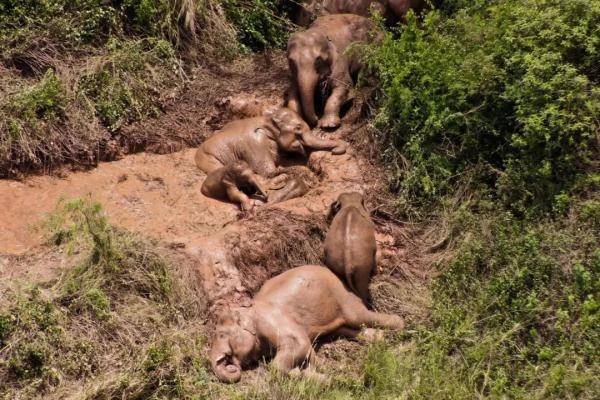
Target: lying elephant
<point>234,182</point>
<point>316,59</point>
<point>293,188</point>
<point>350,246</point>
<point>288,313</point>
<point>392,11</point>
<point>258,141</point>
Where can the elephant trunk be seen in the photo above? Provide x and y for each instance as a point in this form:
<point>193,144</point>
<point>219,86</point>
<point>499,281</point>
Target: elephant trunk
<point>307,83</point>
<point>226,368</point>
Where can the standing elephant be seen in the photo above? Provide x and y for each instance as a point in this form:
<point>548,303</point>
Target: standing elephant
<point>392,11</point>
<point>289,312</point>
<point>317,61</point>
<point>258,141</point>
<point>350,246</point>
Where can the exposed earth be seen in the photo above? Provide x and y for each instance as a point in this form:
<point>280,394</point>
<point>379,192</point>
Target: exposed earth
<point>229,253</point>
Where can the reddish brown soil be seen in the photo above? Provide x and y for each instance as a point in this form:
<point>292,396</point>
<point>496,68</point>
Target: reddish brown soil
<point>231,253</point>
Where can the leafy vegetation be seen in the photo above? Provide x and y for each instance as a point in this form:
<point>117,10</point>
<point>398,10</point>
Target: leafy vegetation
<point>76,72</point>
<point>501,98</point>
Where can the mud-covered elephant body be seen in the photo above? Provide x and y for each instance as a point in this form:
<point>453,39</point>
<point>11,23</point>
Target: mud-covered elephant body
<point>350,247</point>
<point>246,152</point>
<point>319,65</point>
<point>289,312</point>
<point>258,142</point>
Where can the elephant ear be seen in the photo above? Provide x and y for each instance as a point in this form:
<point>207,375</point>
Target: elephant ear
<point>245,319</point>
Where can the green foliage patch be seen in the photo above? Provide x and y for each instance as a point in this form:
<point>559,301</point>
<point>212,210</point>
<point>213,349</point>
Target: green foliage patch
<point>500,98</point>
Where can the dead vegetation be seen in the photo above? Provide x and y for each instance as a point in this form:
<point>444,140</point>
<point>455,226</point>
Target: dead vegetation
<point>276,240</point>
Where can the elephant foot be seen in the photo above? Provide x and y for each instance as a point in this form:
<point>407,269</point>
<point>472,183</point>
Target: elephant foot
<point>340,148</point>
<point>330,122</point>
<point>278,182</point>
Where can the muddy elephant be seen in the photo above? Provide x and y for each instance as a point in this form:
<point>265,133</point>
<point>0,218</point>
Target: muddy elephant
<point>258,141</point>
<point>289,312</point>
<point>392,11</point>
<point>319,66</point>
<point>234,182</point>
<point>350,247</point>
<point>294,187</point>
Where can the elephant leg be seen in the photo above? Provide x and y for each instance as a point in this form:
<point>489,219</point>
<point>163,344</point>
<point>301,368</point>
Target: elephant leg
<point>337,147</point>
<point>294,351</point>
<point>331,115</point>
<point>293,100</point>
<point>294,188</point>
<point>238,197</point>
<point>357,315</point>
<point>361,279</point>
<point>278,182</point>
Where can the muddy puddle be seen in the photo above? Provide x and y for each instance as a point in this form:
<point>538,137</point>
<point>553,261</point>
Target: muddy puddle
<point>157,195</point>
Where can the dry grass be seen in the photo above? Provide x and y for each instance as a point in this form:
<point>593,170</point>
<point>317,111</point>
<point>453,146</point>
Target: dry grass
<point>274,241</point>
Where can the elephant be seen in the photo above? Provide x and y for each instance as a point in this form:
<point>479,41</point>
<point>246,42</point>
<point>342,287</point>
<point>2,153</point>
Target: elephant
<point>289,312</point>
<point>293,188</point>
<point>350,247</point>
<point>317,60</point>
<point>234,182</point>
<point>259,140</point>
<point>392,11</point>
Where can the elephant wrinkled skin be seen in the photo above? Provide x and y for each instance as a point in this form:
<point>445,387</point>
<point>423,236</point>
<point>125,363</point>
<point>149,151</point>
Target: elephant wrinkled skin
<point>257,141</point>
<point>317,60</point>
<point>350,246</point>
<point>289,312</point>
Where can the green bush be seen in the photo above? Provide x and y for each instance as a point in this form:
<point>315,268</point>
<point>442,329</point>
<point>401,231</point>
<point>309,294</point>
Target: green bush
<point>127,83</point>
<point>513,317</point>
<point>501,97</point>
<point>259,23</point>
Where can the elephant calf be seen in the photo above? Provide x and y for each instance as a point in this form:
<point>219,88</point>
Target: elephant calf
<point>234,182</point>
<point>350,246</point>
<point>317,61</point>
<point>289,312</point>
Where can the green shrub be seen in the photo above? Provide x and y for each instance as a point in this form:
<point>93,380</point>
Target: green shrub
<point>126,85</point>
<point>259,23</point>
<point>118,264</point>
<point>501,98</point>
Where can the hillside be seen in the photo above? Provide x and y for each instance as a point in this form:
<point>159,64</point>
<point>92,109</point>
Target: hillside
<point>474,135</point>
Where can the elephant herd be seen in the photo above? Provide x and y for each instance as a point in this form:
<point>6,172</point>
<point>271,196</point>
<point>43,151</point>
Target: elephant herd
<point>242,163</point>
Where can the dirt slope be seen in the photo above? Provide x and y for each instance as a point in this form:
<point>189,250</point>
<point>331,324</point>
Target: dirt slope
<point>227,254</point>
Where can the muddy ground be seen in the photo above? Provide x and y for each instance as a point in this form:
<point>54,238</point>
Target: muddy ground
<point>229,253</point>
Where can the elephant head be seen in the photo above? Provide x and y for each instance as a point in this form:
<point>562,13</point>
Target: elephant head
<point>310,57</point>
<point>235,344</point>
<point>294,135</point>
<point>348,199</point>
